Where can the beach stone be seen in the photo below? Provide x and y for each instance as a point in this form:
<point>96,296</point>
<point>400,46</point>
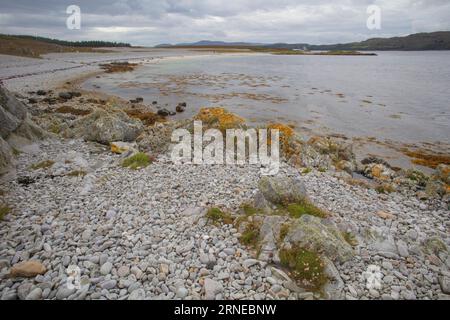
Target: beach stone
<point>27,269</point>
<point>138,294</point>
<point>282,190</point>
<point>35,294</point>
<point>444,282</point>
<point>109,284</point>
<point>182,293</point>
<point>106,268</point>
<point>64,292</point>
<point>212,288</point>
<point>123,271</point>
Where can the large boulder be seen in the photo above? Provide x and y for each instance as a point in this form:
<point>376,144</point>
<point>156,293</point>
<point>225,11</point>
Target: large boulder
<point>321,236</point>
<point>17,130</point>
<point>106,127</point>
<point>282,190</point>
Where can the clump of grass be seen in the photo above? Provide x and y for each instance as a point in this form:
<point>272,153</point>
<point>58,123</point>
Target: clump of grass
<point>250,236</point>
<point>77,173</point>
<point>43,165</point>
<point>322,169</point>
<point>306,267</point>
<point>296,210</point>
<point>249,210</point>
<point>284,230</point>
<point>16,152</point>
<point>384,188</point>
<point>138,161</point>
<point>350,238</point>
<point>306,170</point>
<point>4,210</point>
<point>54,128</point>
<point>218,216</point>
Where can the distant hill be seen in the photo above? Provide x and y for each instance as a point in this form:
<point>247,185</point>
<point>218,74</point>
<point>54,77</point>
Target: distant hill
<point>34,47</point>
<point>420,41</point>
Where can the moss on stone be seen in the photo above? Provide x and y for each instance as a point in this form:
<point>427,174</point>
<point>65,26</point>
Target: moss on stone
<point>4,210</point>
<point>296,210</point>
<point>306,267</point>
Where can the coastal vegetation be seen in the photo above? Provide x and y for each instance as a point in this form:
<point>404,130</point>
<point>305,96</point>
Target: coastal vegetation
<point>34,47</point>
<point>137,161</point>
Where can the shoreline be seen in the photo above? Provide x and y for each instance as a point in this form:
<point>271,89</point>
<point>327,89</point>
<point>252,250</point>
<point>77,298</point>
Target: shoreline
<point>60,80</point>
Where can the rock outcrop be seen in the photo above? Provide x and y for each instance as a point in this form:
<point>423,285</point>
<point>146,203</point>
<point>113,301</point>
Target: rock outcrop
<point>107,126</point>
<point>16,128</point>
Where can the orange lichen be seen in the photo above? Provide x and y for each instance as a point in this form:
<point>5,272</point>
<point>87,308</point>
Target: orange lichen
<point>287,134</point>
<point>219,118</point>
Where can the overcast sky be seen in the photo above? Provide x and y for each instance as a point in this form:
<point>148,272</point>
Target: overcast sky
<point>150,22</point>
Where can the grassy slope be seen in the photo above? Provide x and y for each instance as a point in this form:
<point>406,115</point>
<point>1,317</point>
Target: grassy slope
<point>32,48</point>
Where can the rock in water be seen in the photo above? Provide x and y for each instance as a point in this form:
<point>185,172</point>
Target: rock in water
<point>106,127</point>
<point>27,269</point>
<point>282,190</point>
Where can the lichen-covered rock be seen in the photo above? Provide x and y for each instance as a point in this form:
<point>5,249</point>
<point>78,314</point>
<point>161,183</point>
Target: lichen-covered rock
<point>321,236</point>
<point>106,127</point>
<point>379,171</point>
<point>121,147</point>
<point>16,128</point>
<point>158,138</point>
<point>282,190</point>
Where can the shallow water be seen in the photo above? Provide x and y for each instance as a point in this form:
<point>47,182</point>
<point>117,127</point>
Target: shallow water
<point>398,96</point>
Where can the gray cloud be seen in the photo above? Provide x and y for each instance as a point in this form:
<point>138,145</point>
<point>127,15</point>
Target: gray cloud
<point>149,22</point>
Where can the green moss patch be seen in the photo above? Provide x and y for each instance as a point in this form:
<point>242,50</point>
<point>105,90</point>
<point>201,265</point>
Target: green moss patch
<point>218,216</point>
<point>306,170</point>
<point>138,161</point>
<point>4,210</point>
<point>43,165</point>
<point>296,210</point>
<point>77,173</point>
<point>306,267</point>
